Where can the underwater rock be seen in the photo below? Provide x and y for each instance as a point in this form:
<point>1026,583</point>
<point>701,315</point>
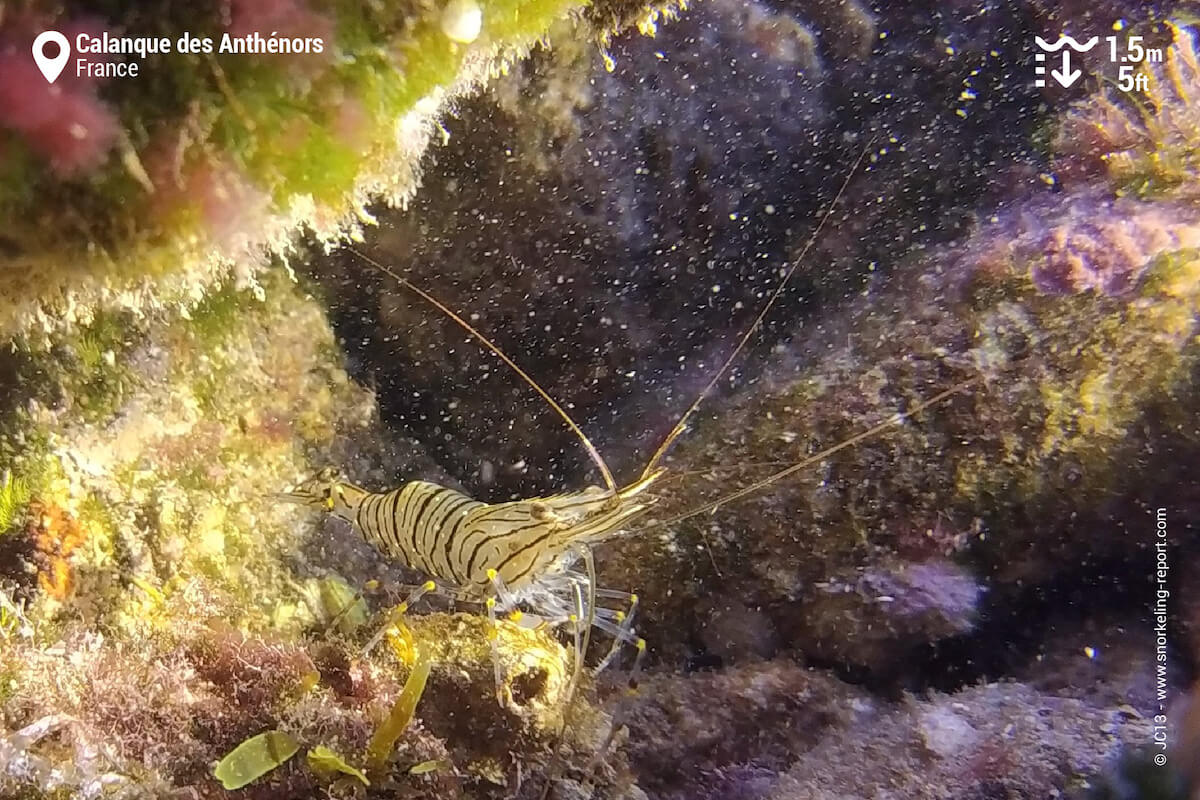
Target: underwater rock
<point>733,632</point>
<point>1021,479</point>
<point>1108,657</point>
<point>680,739</point>
<point>1085,241</point>
<point>889,607</point>
<point>1001,739</point>
<point>782,731</point>
<point>150,716</point>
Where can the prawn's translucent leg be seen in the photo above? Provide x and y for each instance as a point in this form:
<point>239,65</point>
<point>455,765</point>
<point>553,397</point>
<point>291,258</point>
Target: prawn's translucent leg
<point>581,618</point>
<point>396,615</point>
<point>579,627</point>
<point>507,598</point>
<point>624,633</point>
<point>622,709</point>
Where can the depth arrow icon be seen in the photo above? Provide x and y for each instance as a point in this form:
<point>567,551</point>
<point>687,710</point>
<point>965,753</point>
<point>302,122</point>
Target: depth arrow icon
<point>1066,76</point>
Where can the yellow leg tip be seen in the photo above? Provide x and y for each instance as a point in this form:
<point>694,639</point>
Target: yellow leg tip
<point>429,586</point>
<point>491,574</point>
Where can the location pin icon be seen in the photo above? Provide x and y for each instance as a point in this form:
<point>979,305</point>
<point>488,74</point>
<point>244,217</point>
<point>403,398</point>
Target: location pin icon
<point>51,67</point>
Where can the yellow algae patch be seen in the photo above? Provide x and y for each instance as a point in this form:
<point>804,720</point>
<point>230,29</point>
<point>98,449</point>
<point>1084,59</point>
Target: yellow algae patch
<point>384,738</point>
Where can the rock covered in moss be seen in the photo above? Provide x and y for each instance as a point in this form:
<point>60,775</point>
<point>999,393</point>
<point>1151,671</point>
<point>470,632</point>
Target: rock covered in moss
<point>1019,479</point>
<point>783,731</point>
<point>162,605</point>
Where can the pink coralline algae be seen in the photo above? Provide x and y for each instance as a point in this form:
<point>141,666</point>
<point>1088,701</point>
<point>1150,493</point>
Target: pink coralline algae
<point>65,123</point>
<point>1085,242</point>
<point>219,195</point>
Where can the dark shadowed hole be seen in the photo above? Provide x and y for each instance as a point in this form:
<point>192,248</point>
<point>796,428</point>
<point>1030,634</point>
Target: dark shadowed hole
<point>528,685</point>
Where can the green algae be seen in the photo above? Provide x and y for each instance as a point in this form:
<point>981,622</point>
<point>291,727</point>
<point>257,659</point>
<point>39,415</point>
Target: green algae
<point>254,758</point>
<point>342,604</point>
<point>14,495</point>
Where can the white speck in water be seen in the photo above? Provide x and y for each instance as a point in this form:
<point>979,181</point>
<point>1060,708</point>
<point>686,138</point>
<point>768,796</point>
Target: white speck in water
<point>462,20</point>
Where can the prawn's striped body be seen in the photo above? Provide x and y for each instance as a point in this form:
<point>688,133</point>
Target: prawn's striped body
<point>526,546</point>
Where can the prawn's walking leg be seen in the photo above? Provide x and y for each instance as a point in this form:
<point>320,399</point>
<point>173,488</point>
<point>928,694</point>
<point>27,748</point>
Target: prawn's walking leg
<point>507,599</point>
<point>623,634</point>
<point>396,615</point>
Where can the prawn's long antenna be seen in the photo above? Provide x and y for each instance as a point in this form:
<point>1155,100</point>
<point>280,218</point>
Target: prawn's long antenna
<point>681,425</point>
<point>592,452</point>
<point>890,422</point>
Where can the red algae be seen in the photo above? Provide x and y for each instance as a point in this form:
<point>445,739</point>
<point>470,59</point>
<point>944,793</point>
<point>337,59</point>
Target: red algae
<point>65,123</point>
